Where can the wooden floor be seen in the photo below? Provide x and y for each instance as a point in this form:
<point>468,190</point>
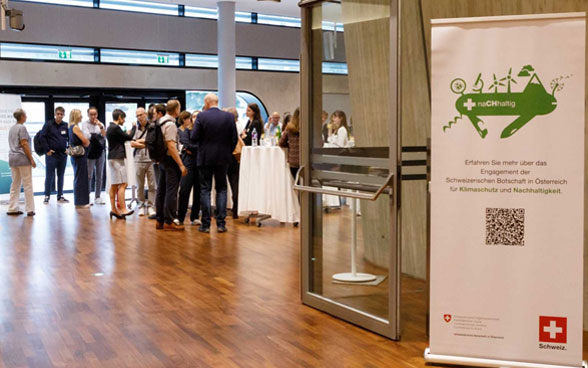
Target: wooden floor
<point>77,290</point>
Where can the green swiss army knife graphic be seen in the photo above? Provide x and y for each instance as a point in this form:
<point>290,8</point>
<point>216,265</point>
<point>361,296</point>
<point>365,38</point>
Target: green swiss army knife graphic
<point>533,101</point>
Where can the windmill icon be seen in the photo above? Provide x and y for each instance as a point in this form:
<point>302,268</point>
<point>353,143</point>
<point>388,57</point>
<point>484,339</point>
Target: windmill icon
<point>508,78</point>
<point>497,83</point>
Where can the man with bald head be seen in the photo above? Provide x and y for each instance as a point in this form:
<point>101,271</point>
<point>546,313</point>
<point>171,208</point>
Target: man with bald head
<point>215,134</point>
<point>143,164</point>
<point>272,125</point>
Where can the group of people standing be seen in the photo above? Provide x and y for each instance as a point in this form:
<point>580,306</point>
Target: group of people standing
<point>197,147</point>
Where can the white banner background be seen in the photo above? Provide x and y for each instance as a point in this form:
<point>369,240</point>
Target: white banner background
<point>8,104</point>
<point>495,294</point>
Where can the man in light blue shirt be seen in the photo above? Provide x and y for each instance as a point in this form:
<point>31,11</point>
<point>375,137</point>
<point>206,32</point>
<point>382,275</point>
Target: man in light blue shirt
<point>272,125</point>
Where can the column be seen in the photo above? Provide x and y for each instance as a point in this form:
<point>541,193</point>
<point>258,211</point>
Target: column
<point>227,79</point>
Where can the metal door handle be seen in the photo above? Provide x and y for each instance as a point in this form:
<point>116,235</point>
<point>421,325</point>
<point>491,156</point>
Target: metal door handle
<point>358,195</point>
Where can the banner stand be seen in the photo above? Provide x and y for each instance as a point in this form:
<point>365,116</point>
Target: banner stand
<point>506,191</point>
<point>478,362</point>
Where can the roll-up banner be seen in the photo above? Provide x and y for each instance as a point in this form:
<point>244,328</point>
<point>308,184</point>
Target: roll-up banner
<point>8,104</point>
<point>507,191</point>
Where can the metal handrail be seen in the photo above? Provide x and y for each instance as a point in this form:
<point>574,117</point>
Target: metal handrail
<point>358,195</point>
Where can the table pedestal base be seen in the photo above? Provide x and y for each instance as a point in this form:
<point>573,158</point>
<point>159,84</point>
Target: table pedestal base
<point>354,277</point>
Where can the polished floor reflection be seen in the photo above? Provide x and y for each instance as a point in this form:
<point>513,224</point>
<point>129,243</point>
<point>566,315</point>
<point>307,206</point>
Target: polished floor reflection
<point>81,291</point>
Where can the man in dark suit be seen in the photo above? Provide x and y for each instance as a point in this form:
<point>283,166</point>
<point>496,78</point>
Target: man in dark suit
<point>216,136</point>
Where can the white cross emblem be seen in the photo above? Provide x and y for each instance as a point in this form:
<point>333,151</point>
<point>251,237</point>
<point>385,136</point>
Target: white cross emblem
<point>552,329</point>
<point>469,104</point>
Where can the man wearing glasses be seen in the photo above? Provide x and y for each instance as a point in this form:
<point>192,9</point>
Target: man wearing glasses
<point>143,164</point>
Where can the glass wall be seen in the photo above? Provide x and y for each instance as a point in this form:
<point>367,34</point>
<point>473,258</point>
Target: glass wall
<point>35,121</point>
<point>129,108</point>
<point>349,239</point>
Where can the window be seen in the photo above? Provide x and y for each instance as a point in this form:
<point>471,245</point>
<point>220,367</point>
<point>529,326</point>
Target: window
<point>44,52</point>
<point>334,68</point>
<point>86,3</point>
<point>139,57</point>
<point>282,65</point>
<point>130,110</point>
<point>202,61</point>
<point>242,17</point>
<point>68,106</point>
<point>211,61</point>
<point>195,101</point>
<point>196,12</point>
<point>140,6</point>
<point>244,63</point>
<point>275,20</point>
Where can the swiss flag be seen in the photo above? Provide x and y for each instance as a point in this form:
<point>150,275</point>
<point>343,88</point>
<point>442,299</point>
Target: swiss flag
<point>553,329</point>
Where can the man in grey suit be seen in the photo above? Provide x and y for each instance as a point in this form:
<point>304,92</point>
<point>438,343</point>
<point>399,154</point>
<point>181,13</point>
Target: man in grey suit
<point>216,136</point>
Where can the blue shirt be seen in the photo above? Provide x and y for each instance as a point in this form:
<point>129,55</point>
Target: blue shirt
<point>55,137</point>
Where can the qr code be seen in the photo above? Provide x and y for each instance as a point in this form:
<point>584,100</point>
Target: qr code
<point>505,226</point>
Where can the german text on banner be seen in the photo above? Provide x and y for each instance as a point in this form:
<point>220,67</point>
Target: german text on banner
<point>507,189</point>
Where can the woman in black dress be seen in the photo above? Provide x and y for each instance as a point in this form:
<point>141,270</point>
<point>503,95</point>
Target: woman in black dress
<point>116,164</point>
<point>80,163</point>
<point>254,124</point>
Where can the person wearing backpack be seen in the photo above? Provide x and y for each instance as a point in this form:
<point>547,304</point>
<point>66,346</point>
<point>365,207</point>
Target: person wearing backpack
<point>95,131</point>
<point>143,164</point>
<point>171,167</point>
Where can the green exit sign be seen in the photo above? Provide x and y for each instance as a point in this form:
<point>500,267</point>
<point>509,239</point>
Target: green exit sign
<point>163,59</point>
<point>65,54</point>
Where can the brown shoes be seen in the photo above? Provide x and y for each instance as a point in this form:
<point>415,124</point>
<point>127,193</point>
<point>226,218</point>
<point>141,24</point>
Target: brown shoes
<point>158,225</point>
<point>173,227</point>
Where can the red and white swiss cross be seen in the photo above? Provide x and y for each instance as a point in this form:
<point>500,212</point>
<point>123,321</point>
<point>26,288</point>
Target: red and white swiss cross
<point>553,329</point>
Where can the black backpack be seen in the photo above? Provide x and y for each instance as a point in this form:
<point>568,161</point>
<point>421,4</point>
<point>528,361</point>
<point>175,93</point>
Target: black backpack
<point>97,146</point>
<point>155,142</point>
<point>39,149</point>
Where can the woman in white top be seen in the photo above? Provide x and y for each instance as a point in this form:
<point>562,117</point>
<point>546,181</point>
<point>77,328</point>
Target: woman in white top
<point>340,136</point>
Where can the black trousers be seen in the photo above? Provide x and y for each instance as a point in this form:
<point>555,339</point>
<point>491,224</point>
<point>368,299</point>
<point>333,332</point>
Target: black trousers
<point>233,175</point>
<point>189,183</point>
<point>55,162</point>
<point>166,199</point>
<point>220,183</point>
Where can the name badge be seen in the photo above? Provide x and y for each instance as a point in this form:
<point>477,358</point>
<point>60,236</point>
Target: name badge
<point>63,132</point>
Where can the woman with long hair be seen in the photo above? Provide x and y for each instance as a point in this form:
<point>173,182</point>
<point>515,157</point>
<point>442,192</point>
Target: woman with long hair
<point>116,164</point>
<point>79,163</point>
<point>254,124</point>
<point>233,172</point>
<point>340,136</point>
<point>285,121</point>
<point>21,162</point>
<point>190,182</point>
<point>291,140</point>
